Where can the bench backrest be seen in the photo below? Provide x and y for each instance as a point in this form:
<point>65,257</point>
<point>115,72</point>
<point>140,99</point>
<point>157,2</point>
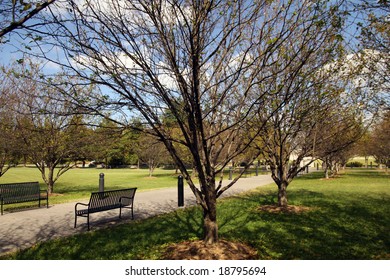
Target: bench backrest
<point>19,192</point>
<point>100,201</point>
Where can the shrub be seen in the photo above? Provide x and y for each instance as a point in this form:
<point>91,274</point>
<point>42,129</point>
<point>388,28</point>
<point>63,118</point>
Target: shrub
<point>354,164</point>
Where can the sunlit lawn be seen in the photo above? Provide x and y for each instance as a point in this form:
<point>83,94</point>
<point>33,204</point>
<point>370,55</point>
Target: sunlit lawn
<point>78,183</point>
<point>349,219</point>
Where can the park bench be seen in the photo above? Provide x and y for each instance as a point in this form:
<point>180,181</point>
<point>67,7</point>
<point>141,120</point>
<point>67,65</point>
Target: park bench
<point>104,201</point>
<point>22,192</point>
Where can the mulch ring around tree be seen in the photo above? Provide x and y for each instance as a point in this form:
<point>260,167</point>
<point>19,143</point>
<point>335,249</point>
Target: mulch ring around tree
<point>198,250</point>
<point>290,209</point>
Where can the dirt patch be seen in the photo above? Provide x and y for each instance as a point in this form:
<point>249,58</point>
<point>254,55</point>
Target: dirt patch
<point>382,256</point>
<point>198,250</point>
<point>55,194</point>
<point>287,209</point>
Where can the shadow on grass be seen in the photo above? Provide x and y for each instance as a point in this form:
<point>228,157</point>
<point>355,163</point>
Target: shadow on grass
<point>142,239</point>
<point>341,224</point>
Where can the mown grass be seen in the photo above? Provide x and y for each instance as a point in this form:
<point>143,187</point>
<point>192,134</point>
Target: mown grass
<point>348,220</point>
<point>78,183</point>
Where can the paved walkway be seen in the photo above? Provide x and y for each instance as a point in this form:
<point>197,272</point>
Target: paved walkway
<point>23,229</point>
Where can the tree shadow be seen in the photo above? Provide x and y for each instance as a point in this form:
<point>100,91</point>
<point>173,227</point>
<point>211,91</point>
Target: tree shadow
<point>333,230</point>
<point>336,229</point>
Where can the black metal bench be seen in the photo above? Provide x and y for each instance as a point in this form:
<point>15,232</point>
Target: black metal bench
<point>107,200</point>
<point>22,192</point>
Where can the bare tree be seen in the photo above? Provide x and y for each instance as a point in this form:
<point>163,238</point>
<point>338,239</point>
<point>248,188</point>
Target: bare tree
<point>371,47</point>
<point>306,99</point>
<point>329,107</point>
<point>380,141</point>
<point>201,61</point>
<point>151,152</point>
<point>315,123</point>
<point>341,133</point>
<point>14,14</point>
<point>9,146</point>
<point>47,127</point>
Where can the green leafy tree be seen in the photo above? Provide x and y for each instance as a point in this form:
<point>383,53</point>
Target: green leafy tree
<point>105,142</point>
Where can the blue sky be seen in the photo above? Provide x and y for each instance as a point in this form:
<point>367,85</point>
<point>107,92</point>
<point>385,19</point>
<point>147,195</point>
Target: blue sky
<point>10,52</point>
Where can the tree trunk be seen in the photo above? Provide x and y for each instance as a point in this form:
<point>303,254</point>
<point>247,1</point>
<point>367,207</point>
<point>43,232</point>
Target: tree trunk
<point>210,225</point>
<point>151,168</point>
<point>337,168</point>
<point>50,188</point>
<point>326,172</point>
<point>327,168</point>
<point>280,177</point>
<point>50,181</point>
<point>282,194</point>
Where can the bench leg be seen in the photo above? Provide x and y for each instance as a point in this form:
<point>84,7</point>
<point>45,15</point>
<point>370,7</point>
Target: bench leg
<point>75,220</point>
<point>120,212</point>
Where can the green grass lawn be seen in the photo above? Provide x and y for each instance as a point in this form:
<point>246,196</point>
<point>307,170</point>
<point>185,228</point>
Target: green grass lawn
<point>349,219</point>
<point>78,183</point>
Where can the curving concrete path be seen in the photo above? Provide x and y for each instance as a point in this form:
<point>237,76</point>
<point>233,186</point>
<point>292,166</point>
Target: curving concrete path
<point>23,229</point>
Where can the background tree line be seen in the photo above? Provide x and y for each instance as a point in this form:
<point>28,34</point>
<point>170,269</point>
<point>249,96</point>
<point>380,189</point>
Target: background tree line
<point>37,128</point>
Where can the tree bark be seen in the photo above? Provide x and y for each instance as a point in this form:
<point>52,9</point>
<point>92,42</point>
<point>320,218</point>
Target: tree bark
<point>282,194</point>
<point>326,172</point>
<point>210,226</point>
<point>50,181</point>
<point>280,175</point>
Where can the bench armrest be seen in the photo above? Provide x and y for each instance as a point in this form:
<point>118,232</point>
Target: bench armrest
<point>126,197</point>
<point>79,203</point>
<point>44,191</point>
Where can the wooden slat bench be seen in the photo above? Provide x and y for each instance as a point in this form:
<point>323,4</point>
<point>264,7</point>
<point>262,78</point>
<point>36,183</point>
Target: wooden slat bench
<point>22,192</point>
<point>107,200</point>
